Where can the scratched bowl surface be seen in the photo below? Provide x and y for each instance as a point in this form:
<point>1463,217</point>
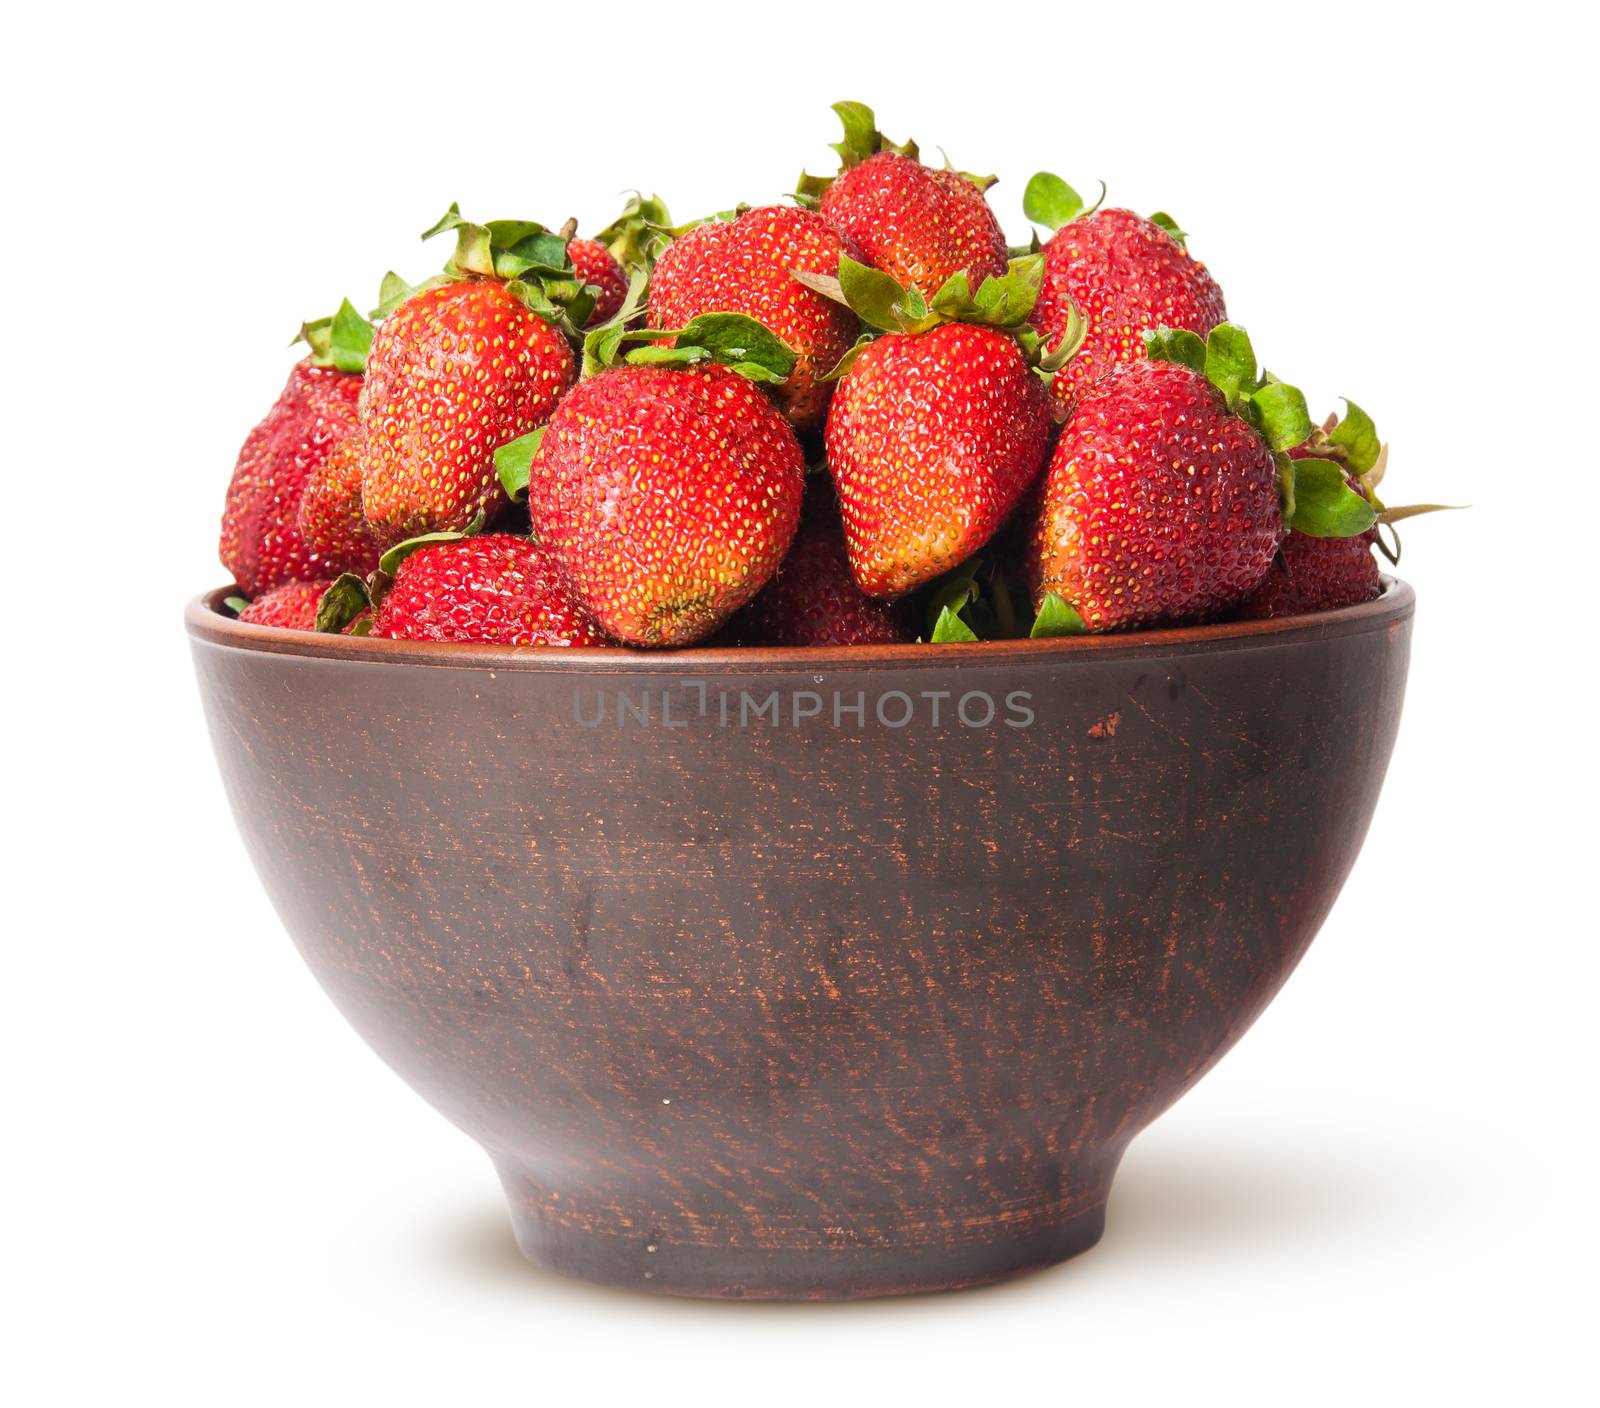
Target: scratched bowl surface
<point>801,973</point>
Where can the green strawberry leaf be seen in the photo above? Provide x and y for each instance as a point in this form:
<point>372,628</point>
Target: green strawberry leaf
<point>809,190</point>
<point>637,237</point>
<point>523,247</point>
<point>235,604</point>
<point>512,461</point>
<point>343,601</point>
<point>350,339</point>
<point>1230,363</point>
<point>1324,505</point>
<point>1001,302</point>
<point>879,299</point>
<point>1056,618</point>
<point>950,628</point>
<point>390,562</point>
<point>1167,223</point>
<point>1357,437</point>
<point>861,136</point>
<point>843,365</point>
<point>663,356</point>
<point>567,303</point>
<point>1175,345</point>
<point>1050,201</point>
<point>602,345</point>
<point>954,592</point>
<point>1279,412</point>
<point>341,342</point>
<point>394,291</point>
<point>749,347</point>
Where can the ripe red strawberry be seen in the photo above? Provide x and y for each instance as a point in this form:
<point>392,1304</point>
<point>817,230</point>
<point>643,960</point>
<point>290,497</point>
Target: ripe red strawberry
<point>814,600</point>
<point>592,262</point>
<point>455,372</point>
<point>261,544</point>
<point>933,438</point>
<point>668,494</point>
<point>742,266</point>
<point>1126,275</point>
<point>919,223</point>
<point>1320,573</point>
<point>290,607</point>
<point>495,588</point>
<point>330,518</point>
<point>1316,574</point>
<point>1161,501</point>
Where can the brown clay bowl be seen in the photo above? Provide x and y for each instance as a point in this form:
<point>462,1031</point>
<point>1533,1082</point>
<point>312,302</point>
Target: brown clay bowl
<point>757,976</point>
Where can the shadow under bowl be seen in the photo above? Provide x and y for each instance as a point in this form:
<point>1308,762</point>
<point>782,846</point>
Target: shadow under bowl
<point>806,973</point>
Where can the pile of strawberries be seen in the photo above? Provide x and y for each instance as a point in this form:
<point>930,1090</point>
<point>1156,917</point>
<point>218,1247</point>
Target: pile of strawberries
<point>859,418</point>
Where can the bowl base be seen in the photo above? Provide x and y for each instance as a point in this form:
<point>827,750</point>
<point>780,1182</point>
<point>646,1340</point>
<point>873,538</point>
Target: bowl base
<point>832,1265</point>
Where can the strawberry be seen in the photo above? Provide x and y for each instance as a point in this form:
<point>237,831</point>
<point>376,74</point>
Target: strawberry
<point>937,428</point>
<point>668,490</point>
<point>461,367</point>
<point>592,262</point>
<point>494,588</point>
<point>330,518</point>
<point>290,607</point>
<point>261,543</point>
<point>920,224</point>
<point>814,600</point>
<point>1123,274</point>
<point>1161,502</point>
<point>1313,573</point>
<point>742,266</point>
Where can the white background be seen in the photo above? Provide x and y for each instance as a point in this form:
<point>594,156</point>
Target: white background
<point>215,1194</point>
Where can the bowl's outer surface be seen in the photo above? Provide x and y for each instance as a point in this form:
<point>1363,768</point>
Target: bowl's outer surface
<point>830,1006</point>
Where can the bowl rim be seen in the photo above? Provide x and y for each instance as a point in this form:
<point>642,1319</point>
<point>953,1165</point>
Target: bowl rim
<point>205,621</point>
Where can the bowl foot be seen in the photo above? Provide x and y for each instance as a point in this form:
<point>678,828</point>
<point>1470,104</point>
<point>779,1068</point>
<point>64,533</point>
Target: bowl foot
<point>678,1255</point>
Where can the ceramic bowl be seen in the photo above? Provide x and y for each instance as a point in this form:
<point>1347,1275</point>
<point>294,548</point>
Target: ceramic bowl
<point>806,973</point>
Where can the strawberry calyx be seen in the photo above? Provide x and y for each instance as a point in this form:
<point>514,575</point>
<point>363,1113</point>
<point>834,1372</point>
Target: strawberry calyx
<point>861,140</point>
<point>637,237</point>
<point>1049,201</point>
<point>975,601</point>
<point>885,305</point>
<point>529,258</point>
<point>350,594</point>
<point>731,340</point>
<point>341,341</point>
<point>1351,441</point>
<point>1314,495</point>
<point>513,461</point>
